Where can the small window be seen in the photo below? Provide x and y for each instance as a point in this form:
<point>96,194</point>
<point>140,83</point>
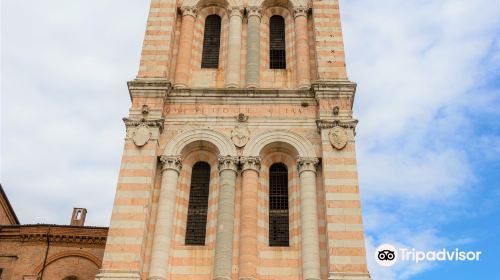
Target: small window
<point>211,42</point>
<point>277,46</point>
<point>71,278</point>
<point>198,204</point>
<point>278,205</point>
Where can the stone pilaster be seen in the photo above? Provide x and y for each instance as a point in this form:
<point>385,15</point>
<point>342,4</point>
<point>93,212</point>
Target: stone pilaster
<point>309,218</point>
<point>253,47</point>
<point>228,167</point>
<point>171,166</point>
<point>234,48</point>
<point>302,48</point>
<point>183,66</point>
<point>248,218</point>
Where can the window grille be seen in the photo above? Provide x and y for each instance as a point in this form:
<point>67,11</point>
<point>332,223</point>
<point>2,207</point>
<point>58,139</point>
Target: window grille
<point>198,204</point>
<point>278,205</point>
<point>277,46</point>
<point>211,42</point>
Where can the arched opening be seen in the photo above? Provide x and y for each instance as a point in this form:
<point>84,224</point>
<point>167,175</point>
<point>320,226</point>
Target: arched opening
<point>211,42</point>
<point>198,204</point>
<point>278,205</point>
<point>277,45</point>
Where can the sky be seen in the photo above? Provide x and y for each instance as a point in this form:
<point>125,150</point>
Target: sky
<point>428,100</point>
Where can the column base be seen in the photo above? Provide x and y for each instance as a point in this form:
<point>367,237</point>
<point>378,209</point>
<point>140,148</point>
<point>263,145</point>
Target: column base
<point>304,86</point>
<point>232,86</point>
<point>180,86</point>
<point>349,276</point>
<point>118,275</point>
<point>222,278</point>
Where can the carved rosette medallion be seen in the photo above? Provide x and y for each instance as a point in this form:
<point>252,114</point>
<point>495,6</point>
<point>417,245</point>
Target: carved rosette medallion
<point>338,137</point>
<point>240,136</point>
<point>142,135</point>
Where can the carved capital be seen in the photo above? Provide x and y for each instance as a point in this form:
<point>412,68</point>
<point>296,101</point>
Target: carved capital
<point>300,11</point>
<point>307,164</point>
<point>254,11</point>
<point>171,162</point>
<point>189,11</point>
<point>250,163</point>
<point>236,11</point>
<point>228,162</point>
<point>347,124</point>
<point>150,123</point>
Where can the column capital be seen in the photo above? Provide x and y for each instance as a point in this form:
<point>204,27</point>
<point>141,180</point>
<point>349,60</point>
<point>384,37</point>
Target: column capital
<point>250,163</point>
<point>236,11</point>
<point>300,11</point>
<point>171,162</point>
<point>189,11</point>
<point>307,164</point>
<point>228,163</point>
<point>254,11</point>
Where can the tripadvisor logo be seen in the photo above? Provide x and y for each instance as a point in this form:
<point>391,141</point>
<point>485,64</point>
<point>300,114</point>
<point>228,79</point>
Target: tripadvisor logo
<point>387,255</point>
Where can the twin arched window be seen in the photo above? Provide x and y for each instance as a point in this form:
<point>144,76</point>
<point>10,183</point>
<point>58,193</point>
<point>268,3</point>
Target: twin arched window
<point>198,204</point>
<point>211,42</point>
<point>278,205</point>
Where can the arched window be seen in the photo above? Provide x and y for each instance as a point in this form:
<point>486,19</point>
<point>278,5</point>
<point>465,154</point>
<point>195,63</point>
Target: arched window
<point>71,278</point>
<point>211,42</point>
<point>198,204</point>
<point>277,46</point>
<point>278,205</point>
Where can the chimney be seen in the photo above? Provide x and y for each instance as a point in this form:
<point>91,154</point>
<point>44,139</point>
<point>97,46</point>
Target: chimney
<point>78,217</point>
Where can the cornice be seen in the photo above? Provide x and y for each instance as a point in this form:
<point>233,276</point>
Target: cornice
<point>148,88</point>
<point>150,123</point>
<point>347,123</point>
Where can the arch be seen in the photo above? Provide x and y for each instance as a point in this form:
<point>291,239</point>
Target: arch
<point>289,3</point>
<point>303,147</point>
<point>65,254</point>
<point>224,146</point>
<point>202,3</point>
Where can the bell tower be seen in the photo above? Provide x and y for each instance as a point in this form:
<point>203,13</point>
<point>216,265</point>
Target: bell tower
<point>239,158</point>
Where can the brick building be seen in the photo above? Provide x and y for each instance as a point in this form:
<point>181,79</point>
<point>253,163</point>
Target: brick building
<point>48,252</point>
<point>239,159</point>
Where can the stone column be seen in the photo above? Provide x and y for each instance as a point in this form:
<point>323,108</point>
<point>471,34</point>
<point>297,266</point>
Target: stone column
<point>248,218</point>
<point>253,48</point>
<point>302,48</point>
<point>225,218</point>
<point>309,218</point>
<point>234,48</point>
<point>165,216</point>
<point>185,47</point>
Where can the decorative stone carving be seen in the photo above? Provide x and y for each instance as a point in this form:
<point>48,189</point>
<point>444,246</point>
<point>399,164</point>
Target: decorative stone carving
<point>240,135</point>
<point>228,162</point>
<point>171,162</point>
<point>300,11</point>
<point>189,11</point>
<point>142,134</point>
<point>338,137</point>
<point>145,109</point>
<point>336,110</point>
<point>250,163</point>
<point>242,117</point>
<point>254,11</point>
<point>307,164</point>
<point>150,123</point>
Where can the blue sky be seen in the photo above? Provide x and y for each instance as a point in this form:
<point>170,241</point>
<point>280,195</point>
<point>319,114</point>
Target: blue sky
<point>428,100</point>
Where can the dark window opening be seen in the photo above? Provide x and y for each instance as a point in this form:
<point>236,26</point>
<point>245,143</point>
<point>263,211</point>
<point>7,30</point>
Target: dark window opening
<point>278,205</point>
<point>198,204</point>
<point>277,46</point>
<point>211,42</point>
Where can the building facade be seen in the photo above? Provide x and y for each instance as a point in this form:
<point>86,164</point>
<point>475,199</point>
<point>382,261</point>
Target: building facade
<point>49,252</point>
<point>239,158</point>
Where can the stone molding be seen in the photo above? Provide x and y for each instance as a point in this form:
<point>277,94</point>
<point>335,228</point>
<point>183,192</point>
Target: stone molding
<point>250,163</point>
<point>108,274</point>
<point>189,11</point>
<point>307,164</point>
<point>159,123</point>
<point>302,145</point>
<point>228,163</point>
<point>150,88</point>
<point>348,276</point>
<point>224,145</point>
<point>171,162</point>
